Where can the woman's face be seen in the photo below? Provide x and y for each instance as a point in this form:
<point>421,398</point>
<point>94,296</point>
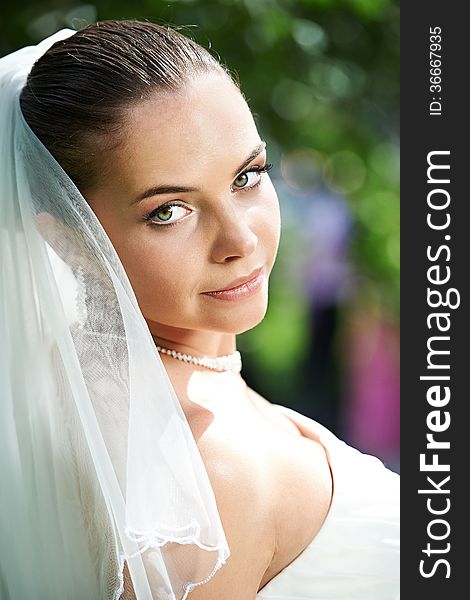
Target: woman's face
<point>186,210</point>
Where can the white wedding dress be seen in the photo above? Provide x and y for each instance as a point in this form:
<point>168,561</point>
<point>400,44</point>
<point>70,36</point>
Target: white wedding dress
<point>355,555</point>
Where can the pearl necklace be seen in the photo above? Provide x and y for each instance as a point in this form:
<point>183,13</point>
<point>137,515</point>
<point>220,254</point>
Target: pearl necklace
<point>229,362</point>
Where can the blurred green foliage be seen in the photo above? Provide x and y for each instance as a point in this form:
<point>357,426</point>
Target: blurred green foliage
<point>317,74</point>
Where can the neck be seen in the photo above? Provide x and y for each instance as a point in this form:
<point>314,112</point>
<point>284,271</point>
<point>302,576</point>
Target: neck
<point>190,381</point>
<point>198,343</point>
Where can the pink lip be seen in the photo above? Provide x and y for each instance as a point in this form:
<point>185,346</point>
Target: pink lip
<point>240,288</point>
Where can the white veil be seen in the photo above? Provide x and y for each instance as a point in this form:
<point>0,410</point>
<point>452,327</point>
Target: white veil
<point>98,463</point>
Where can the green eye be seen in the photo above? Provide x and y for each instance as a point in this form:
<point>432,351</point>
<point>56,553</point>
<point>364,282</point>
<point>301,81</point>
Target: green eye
<point>165,213</point>
<point>241,180</point>
<point>168,214</point>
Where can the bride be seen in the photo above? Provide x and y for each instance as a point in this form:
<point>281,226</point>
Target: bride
<point>163,184</point>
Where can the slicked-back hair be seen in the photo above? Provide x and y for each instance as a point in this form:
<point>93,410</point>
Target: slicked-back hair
<point>77,93</point>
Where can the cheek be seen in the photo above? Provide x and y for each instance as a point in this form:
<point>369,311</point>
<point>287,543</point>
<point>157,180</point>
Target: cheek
<point>161,274</point>
<point>268,222</point>
<point>156,269</point>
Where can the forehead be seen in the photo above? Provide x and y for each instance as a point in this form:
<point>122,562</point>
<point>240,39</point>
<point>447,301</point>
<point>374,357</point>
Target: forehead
<point>188,129</point>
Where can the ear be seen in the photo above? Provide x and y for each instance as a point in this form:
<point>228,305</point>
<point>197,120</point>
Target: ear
<point>61,238</point>
<point>52,230</point>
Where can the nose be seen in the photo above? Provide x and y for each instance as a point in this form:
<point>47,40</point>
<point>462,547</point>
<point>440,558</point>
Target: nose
<point>234,238</point>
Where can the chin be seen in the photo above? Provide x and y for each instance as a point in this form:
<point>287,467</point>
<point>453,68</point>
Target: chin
<point>239,321</point>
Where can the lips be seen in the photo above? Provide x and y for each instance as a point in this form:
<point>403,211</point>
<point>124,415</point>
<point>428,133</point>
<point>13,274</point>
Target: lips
<point>236,283</point>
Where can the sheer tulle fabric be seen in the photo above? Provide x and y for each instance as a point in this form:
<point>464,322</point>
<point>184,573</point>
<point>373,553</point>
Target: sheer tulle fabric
<point>98,462</point>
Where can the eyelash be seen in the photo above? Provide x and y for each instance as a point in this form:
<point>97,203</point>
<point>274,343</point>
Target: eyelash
<point>148,218</point>
<point>264,169</point>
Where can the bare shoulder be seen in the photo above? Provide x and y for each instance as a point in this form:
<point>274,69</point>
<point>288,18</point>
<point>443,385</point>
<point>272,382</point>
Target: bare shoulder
<point>247,524</point>
<point>247,516</point>
<point>253,453</point>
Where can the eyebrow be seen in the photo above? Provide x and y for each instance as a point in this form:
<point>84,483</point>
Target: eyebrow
<point>178,189</point>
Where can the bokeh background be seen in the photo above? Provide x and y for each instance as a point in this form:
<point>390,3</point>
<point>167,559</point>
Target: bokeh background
<point>322,80</point>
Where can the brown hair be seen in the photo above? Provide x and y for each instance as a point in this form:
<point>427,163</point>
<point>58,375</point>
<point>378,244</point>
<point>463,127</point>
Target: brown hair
<point>77,92</point>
